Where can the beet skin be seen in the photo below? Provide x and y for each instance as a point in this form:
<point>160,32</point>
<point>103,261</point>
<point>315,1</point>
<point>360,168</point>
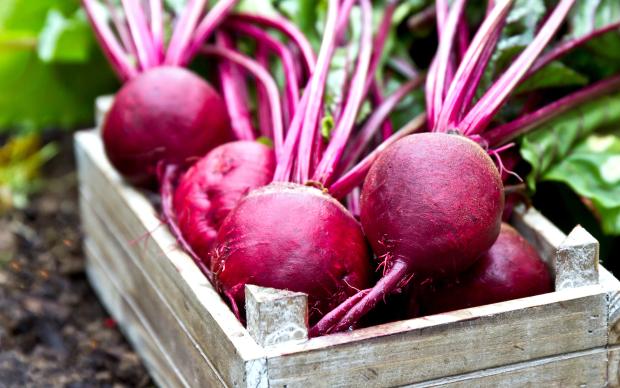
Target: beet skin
<point>432,200</point>
<point>430,206</point>
<point>165,114</point>
<point>293,237</point>
<point>211,188</point>
<point>511,269</point>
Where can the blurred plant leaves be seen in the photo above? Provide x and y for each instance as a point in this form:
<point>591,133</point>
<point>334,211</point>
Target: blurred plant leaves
<point>51,69</point>
<point>573,150</point>
<point>21,159</point>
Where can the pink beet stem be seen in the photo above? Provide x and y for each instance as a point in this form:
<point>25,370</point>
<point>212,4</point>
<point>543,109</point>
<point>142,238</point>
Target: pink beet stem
<point>463,38</point>
<point>285,164</point>
<point>343,20</point>
<point>141,34</point>
<point>121,28</point>
<point>331,157</point>
<point>376,98</point>
<point>315,92</point>
<point>569,45</point>
<point>402,67</point>
<point>331,318</point>
<point>235,93</point>
<point>157,28</point>
<point>442,65</point>
<point>183,31</point>
<point>211,21</point>
<point>475,78</point>
<point>167,178</point>
<point>291,75</point>
<point>379,45</point>
<point>109,44</point>
<point>482,113</point>
<point>476,57</point>
<point>285,27</point>
<point>263,76</point>
<point>509,131</point>
<point>264,115</point>
<point>384,287</point>
<point>356,175</point>
<point>378,116</point>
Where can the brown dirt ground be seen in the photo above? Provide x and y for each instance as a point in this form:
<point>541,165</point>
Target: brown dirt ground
<point>53,330</point>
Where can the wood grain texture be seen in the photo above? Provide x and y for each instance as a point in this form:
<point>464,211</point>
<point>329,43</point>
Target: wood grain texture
<point>276,316</point>
<point>579,369</point>
<point>613,367</point>
<point>133,221</point>
<point>448,344</point>
<point>612,287</point>
<point>130,280</point>
<point>134,326</point>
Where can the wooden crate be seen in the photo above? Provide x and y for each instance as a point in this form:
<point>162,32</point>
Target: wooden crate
<point>187,336</point>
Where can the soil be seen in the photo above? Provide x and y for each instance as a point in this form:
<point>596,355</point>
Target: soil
<point>53,330</point>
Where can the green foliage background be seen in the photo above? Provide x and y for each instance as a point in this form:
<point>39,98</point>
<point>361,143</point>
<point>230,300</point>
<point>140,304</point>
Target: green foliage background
<point>50,66</point>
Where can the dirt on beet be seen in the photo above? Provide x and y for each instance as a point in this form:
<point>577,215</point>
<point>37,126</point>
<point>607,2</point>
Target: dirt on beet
<point>53,329</point>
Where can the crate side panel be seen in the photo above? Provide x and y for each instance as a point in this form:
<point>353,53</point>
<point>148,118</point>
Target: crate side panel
<point>132,282</point>
<point>142,338</point>
<point>439,350</point>
<point>134,221</point>
<point>580,369</point>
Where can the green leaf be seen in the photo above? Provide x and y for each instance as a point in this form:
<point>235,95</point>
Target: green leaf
<point>520,29</point>
<point>327,126</point>
<point>58,91</point>
<point>262,7</point>
<point>554,74</point>
<point>21,159</point>
<point>601,56</point>
<point>556,140</point>
<point>592,170</point>
<point>65,39</point>
<point>588,15</point>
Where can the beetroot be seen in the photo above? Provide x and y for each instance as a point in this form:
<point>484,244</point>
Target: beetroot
<point>212,187</point>
<point>165,114</point>
<point>430,206</point>
<point>293,237</point>
<point>511,269</point>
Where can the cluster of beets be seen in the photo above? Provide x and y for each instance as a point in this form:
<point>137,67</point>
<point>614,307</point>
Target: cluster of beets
<point>311,213</point>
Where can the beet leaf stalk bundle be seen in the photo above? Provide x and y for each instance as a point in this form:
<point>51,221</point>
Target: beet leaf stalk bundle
<point>292,234</point>
<point>437,217</point>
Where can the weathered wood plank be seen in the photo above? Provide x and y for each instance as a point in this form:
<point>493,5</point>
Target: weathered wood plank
<point>540,232</point>
<point>576,260</point>
<point>580,369</point>
<point>134,284</point>
<point>613,367</point>
<point>412,351</point>
<point>134,222</point>
<point>450,343</point>
<point>612,287</point>
<point>276,316</point>
<point>135,327</point>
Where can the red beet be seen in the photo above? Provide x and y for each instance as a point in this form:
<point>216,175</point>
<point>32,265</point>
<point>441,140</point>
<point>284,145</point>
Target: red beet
<point>511,269</point>
<point>430,206</point>
<point>293,237</point>
<point>211,188</point>
<point>165,114</point>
